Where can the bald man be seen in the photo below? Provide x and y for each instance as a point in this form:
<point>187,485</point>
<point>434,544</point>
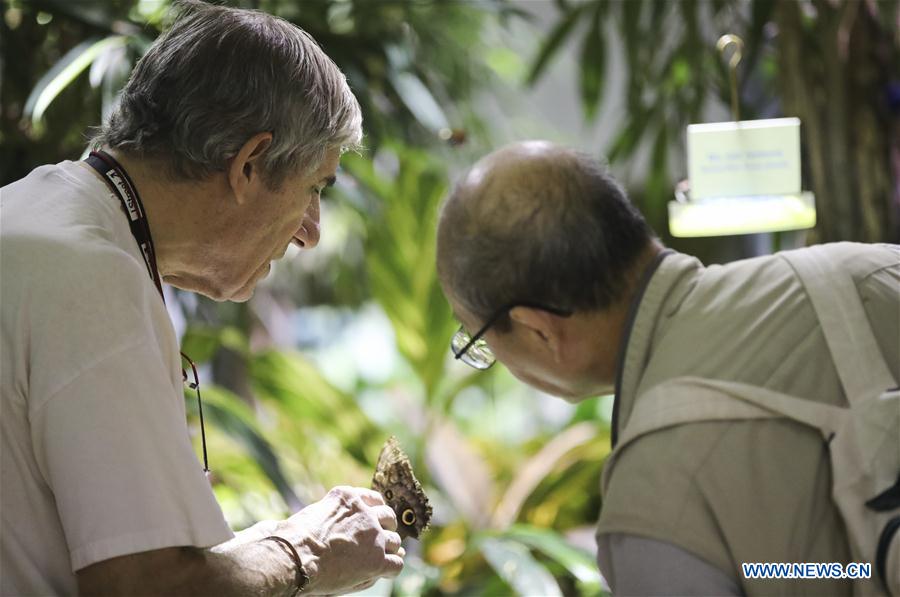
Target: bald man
<point>551,271</point>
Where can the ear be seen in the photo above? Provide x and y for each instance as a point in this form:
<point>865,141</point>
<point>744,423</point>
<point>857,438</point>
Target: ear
<point>244,169</point>
<point>546,328</point>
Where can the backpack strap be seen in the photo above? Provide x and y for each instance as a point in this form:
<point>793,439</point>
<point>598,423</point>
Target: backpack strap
<point>694,399</point>
<point>833,294</point>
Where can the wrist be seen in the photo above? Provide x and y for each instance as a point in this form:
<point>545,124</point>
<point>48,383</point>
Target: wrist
<point>310,550</point>
<point>300,579</point>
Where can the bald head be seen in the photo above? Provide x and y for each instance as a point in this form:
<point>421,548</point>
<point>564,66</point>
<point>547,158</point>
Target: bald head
<point>537,222</point>
<point>524,165</point>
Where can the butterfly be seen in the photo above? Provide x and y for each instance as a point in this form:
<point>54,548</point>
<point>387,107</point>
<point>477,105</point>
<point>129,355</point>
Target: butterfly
<point>395,481</point>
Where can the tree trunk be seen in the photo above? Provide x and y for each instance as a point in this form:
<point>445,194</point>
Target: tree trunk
<point>834,69</point>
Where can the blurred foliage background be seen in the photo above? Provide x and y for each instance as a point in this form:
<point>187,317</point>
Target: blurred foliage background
<point>348,344</point>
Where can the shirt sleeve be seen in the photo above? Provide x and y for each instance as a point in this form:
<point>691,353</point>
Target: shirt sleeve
<point>110,435</point>
<point>634,565</point>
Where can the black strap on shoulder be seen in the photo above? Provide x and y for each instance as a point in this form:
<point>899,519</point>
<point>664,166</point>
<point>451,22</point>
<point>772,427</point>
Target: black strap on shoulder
<point>887,499</point>
<point>884,544</point>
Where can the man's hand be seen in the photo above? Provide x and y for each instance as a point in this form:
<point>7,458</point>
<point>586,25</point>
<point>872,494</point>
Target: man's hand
<point>347,540</point>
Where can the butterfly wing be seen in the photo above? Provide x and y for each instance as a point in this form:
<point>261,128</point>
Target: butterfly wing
<point>395,481</point>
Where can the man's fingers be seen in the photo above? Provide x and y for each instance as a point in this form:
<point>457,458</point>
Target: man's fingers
<point>393,565</point>
<point>363,586</point>
<point>392,543</point>
<point>370,496</point>
<point>401,552</point>
<point>386,517</point>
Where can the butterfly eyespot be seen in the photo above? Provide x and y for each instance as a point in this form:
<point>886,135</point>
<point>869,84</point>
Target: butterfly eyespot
<point>408,517</point>
<point>388,494</point>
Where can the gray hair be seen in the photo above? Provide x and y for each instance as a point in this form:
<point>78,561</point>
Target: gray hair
<point>559,231</point>
<point>220,75</point>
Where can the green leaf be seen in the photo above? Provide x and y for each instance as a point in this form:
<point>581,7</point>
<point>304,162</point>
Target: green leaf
<point>631,20</point>
<point>762,11</point>
<point>680,73</point>
<point>627,141</point>
<point>578,562</point>
<point>201,342</point>
<point>514,563</point>
<point>400,259</point>
<point>593,65</point>
<point>660,7</point>
<point>232,416</point>
<point>506,63</point>
<point>417,97</point>
<point>534,471</point>
<point>658,184</point>
<point>64,72</point>
<point>554,41</point>
<point>308,404</point>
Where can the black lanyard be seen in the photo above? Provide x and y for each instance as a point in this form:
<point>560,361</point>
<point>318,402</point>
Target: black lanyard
<point>120,184</point>
<point>122,187</point>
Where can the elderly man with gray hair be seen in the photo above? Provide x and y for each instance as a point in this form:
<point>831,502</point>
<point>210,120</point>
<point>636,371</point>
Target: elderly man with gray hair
<point>551,271</point>
<point>228,130</point>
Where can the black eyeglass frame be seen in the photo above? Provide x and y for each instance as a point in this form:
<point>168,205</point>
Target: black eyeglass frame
<point>195,385</point>
<point>500,312</point>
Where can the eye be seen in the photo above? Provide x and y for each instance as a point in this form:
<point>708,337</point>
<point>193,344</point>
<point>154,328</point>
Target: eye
<point>408,517</point>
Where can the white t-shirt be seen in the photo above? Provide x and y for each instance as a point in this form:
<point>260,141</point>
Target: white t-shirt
<point>96,457</point>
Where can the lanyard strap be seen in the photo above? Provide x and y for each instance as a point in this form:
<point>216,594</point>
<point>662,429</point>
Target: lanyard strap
<point>120,184</point>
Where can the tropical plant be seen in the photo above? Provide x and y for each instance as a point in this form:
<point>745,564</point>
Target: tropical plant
<point>832,64</point>
<point>408,64</point>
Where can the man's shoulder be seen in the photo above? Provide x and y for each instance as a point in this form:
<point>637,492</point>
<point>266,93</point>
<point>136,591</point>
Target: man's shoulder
<point>65,260</point>
<point>59,224</point>
<point>857,259</point>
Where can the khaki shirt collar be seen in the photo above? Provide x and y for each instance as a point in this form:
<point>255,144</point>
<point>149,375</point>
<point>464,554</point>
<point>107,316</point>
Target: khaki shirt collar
<point>659,282</point>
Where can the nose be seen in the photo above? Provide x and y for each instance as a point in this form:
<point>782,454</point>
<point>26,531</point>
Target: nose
<point>307,235</point>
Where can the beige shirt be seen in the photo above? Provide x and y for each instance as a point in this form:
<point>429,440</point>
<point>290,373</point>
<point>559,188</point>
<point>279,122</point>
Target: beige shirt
<point>750,491</point>
<point>96,457</point>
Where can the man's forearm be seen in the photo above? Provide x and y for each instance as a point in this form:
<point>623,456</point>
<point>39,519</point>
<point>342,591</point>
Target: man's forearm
<point>248,567</point>
<point>345,542</point>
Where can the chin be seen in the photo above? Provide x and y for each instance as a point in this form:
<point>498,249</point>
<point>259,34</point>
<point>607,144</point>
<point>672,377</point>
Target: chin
<point>245,292</point>
<point>218,293</point>
<point>573,395</point>
<point>243,295</point>
<point>552,389</point>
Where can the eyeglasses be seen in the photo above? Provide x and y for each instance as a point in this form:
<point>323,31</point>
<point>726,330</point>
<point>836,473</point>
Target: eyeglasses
<point>474,351</point>
<point>195,385</point>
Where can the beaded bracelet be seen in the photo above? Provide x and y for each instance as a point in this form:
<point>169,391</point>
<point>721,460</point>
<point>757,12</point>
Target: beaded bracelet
<point>302,578</point>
